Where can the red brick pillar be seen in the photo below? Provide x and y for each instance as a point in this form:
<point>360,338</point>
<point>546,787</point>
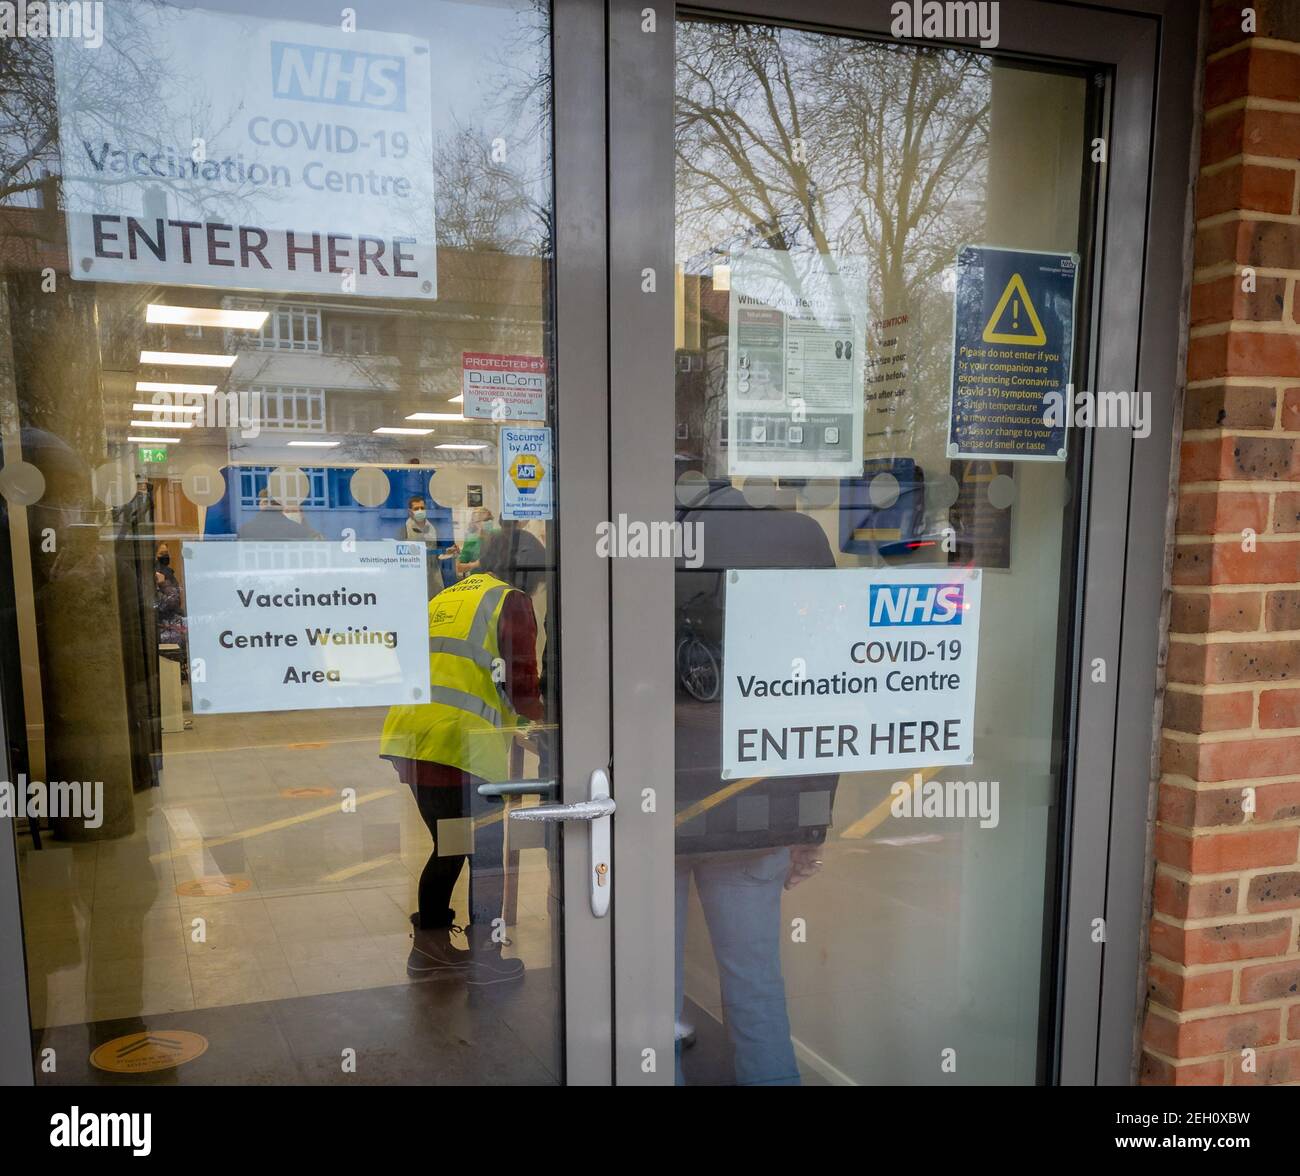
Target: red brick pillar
<point>1224,973</point>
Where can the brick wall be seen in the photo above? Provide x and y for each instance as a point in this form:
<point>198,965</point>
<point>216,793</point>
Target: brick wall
<point>1224,972</point>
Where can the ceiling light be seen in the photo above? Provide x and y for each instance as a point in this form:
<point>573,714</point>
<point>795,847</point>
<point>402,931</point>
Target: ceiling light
<point>190,408</point>
<point>188,359</point>
<point>162,424</point>
<point>315,444</point>
<point>154,440</point>
<point>436,416</point>
<point>164,386</point>
<point>457,399</point>
<point>207,316</point>
<point>455,445</point>
<point>400,432</point>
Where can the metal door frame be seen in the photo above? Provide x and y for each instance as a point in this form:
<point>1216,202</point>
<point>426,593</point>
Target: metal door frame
<point>1149,48</point>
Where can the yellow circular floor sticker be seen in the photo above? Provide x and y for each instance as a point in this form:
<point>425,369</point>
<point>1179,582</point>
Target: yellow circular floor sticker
<point>213,886</point>
<point>156,1049</point>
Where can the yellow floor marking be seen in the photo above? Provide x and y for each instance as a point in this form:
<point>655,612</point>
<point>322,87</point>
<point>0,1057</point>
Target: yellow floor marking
<point>880,814</point>
<point>269,827</point>
<point>362,868</point>
<point>213,886</point>
<point>263,746</point>
<point>715,799</point>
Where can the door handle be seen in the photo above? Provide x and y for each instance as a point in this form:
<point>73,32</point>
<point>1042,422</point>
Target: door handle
<point>596,809</point>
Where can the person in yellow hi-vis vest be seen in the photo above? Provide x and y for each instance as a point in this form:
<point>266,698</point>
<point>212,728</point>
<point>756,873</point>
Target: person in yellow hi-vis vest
<point>482,689</point>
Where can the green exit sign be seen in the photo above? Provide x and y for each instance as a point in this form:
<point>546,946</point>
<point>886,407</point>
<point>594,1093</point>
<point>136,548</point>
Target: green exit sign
<point>153,455</point>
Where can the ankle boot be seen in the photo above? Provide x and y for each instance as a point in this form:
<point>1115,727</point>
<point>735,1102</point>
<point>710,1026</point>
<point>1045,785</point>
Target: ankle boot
<point>433,955</point>
<point>487,964</point>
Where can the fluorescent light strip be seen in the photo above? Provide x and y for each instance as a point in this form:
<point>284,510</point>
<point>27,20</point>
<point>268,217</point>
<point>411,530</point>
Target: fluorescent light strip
<point>207,316</point>
<point>164,386</point>
<point>314,444</point>
<point>453,445</point>
<point>162,424</point>
<point>400,432</point>
<point>154,440</point>
<point>457,399</point>
<point>436,416</point>
<point>192,409</point>
<point>188,359</point>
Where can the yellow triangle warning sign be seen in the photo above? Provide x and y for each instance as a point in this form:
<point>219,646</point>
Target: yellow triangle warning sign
<point>1014,319</point>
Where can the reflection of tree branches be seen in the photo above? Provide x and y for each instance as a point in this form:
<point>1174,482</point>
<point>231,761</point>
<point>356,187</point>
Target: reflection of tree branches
<point>120,95</point>
<point>848,146</point>
<point>486,204</point>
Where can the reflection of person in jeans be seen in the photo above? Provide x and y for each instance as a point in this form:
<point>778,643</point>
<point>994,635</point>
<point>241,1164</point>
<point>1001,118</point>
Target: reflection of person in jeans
<point>483,685</point>
<point>742,846</point>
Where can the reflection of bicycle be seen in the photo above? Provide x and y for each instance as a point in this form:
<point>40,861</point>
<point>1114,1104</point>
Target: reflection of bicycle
<point>697,665</point>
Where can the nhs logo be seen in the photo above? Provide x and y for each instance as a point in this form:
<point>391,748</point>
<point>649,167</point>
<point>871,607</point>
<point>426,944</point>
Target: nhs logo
<point>916,604</point>
<point>341,77</point>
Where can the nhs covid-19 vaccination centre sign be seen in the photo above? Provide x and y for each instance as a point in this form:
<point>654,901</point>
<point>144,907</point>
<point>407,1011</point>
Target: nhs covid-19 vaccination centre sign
<point>849,670</point>
<point>202,149</point>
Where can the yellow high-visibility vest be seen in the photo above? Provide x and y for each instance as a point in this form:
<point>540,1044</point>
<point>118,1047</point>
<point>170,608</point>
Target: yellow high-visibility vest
<point>468,721</point>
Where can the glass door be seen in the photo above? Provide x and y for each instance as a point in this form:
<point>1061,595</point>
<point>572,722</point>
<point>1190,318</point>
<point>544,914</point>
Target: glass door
<point>885,288</point>
<point>285,603</point>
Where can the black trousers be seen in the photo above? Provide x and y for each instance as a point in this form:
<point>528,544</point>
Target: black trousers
<point>451,804</point>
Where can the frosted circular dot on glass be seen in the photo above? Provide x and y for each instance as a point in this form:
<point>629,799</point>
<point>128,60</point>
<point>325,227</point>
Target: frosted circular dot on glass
<point>203,485</point>
<point>883,491</point>
<point>944,492</point>
<point>114,483</point>
<point>691,489</point>
<point>22,483</point>
<point>819,493</point>
<point>288,485</point>
<point>1002,492</point>
<point>760,492</point>
<point>369,486</point>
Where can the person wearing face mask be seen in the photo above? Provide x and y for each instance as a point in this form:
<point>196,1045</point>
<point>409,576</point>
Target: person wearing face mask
<point>481,526</point>
<point>419,529</point>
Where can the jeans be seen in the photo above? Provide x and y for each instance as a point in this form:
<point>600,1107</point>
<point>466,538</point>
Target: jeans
<point>741,897</point>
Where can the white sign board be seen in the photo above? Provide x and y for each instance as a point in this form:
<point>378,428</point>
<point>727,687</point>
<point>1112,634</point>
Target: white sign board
<point>527,475</point>
<point>202,149</point>
<point>503,387</point>
<point>794,365</point>
<point>848,670</point>
<point>305,626</point>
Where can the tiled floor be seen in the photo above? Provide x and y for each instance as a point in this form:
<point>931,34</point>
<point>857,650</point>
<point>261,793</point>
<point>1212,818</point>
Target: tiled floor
<point>322,894</point>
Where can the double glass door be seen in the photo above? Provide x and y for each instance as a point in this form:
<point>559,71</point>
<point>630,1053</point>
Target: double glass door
<point>406,420</point>
<point>283,569</point>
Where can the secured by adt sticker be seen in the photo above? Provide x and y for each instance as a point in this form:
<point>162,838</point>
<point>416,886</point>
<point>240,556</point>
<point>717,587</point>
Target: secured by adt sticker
<point>527,476</point>
<point>1012,350</point>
